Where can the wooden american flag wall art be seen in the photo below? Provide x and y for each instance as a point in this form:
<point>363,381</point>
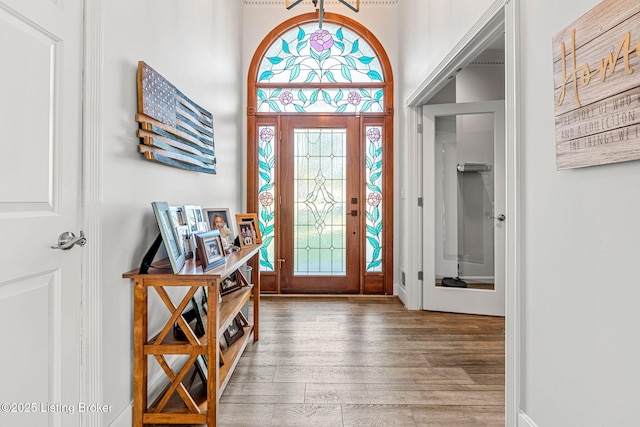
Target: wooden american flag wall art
<point>173,129</point>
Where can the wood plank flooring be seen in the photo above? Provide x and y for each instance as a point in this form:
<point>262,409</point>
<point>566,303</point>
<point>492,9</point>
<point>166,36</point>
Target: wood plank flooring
<point>367,361</point>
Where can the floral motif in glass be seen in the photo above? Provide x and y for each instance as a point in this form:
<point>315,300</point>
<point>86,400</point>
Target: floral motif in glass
<point>266,195</point>
<point>373,176</point>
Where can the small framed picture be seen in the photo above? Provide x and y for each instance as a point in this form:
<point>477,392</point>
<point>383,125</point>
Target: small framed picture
<point>220,219</point>
<point>234,331</point>
<point>253,219</point>
<point>195,219</point>
<point>172,241</point>
<point>201,367</point>
<point>194,318</point>
<point>210,249</point>
<point>230,284</point>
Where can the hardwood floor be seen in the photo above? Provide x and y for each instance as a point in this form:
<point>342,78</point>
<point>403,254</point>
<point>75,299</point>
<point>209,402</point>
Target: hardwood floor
<point>367,361</point>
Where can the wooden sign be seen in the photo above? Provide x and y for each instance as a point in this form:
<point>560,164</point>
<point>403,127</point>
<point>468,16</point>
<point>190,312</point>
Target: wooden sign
<point>173,130</point>
<point>596,68</point>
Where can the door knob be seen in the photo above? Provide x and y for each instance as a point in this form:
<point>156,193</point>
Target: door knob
<point>67,240</point>
<point>500,217</point>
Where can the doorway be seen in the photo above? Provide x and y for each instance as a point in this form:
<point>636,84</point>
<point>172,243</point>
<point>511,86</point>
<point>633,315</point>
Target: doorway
<point>320,205</point>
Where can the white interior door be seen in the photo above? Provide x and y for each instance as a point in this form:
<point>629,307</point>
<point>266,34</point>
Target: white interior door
<point>463,223</point>
<point>40,172</point>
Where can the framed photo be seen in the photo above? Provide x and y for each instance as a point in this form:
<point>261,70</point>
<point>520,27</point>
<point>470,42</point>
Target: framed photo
<point>194,317</point>
<point>230,284</point>
<point>252,218</point>
<point>195,218</point>
<point>172,241</point>
<point>185,235</point>
<point>220,219</point>
<point>210,249</point>
<point>234,331</point>
<point>201,368</point>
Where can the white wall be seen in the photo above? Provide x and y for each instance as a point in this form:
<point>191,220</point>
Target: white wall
<point>196,45</point>
<point>581,252</point>
<point>580,307</point>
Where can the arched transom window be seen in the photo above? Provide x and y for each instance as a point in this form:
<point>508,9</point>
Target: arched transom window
<point>312,70</point>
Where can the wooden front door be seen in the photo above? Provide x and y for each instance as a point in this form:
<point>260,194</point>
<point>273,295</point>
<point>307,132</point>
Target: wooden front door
<point>320,205</point>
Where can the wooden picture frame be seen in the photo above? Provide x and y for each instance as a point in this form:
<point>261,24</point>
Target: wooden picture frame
<point>230,284</point>
<point>253,218</point>
<point>172,241</point>
<point>210,249</point>
<point>234,331</point>
<point>211,216</point>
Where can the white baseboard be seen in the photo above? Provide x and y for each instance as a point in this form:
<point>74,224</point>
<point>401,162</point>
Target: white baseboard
<point>401,292</point>
<point>525,421</point>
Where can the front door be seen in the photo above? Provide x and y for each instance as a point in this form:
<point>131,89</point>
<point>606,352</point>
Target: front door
<point>464,167</point>
<point>320,205</point>
<point>41,135</point>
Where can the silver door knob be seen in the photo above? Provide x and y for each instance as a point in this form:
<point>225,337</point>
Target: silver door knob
<point>500,217</point>
<point>67,240</point>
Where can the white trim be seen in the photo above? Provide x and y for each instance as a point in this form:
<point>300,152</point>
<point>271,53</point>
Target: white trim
<point>514,263</point>
<point>525,421</point>
<point>91,382</point>
<point>486,30</point>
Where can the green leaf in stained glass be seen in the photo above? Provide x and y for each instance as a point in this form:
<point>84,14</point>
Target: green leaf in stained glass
<point>315,55</point>
<point>266,187</point>
<point>379,228</point>
<point>373,187</point>
<point>301,96</point>
<point>325,54</point>
<point>341,108</point>
<point>349,60</point>
<point>295,72</point>
<point>265,167</point>
<point>266,75</point>
<point>366,59</point>
<point>373,242</point>
<point>371,230</point>
<point>329,76</point>
<point>374,264</point>
<point>338,96</point>
<point>274,59</point>
<point>339,45</point>
<point>365,93</point>
<point>366,106</point>
<point>378,164</point>
<point>285,46</point>
<point>299,108</point>
<point>314,96</point>
<point>355,46</point>
<point>378,95</point>
<point>301,33</point>
<point>276,92</point>
<point>326,96</point>
<point>312,75</point>
<point>290,62</point>
<point>374,75</point>
<point>262,95</point>
<point>264,176</point>
<point>268,229</point>
<point>340,34</point>
<point>301,45</point>
<point>368,162</point>
<point>274,106</point>
<point>345,72</point>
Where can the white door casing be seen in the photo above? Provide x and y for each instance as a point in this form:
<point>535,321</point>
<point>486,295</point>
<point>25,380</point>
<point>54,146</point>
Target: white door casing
<point>437,298</point>
<point>40,198</point>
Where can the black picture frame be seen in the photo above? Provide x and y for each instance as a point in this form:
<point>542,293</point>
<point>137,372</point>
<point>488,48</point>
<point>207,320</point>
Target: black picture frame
<point>234,331</point>
<point>194,317</point>
<point>201,367</point>
<point>230,284</point>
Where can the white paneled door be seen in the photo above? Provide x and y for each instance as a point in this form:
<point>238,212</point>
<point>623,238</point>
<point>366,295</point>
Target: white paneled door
<point>40,192</point>
<point>464,223</point>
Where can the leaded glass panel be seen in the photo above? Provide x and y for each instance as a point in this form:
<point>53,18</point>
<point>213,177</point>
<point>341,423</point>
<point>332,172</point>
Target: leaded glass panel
<point>320,171</point>
<point>317,100</point>
<point>373,176</point>
<point>307,54</point>
<point>266,195</point>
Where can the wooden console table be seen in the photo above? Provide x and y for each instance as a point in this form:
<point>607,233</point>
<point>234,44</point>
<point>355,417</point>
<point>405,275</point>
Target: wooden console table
<point>185,400</point>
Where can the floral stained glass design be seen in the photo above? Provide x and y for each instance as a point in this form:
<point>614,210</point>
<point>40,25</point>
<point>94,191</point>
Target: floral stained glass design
<point>373,176</point>
<point>266,195</point>
<point>302,68</point>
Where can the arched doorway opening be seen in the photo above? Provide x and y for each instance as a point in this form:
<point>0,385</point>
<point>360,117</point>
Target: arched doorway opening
<point>320,157</point>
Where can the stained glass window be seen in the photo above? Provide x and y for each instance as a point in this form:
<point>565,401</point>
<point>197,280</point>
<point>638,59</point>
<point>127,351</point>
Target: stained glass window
<point>266,206</point>
<point>373,176</point>
<point>309,69</point>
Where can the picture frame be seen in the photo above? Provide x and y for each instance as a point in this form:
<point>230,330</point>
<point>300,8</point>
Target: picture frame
<point>220,219</point>
<point>252,218</point>
<point>172,241</point>
<point>210,249</point>
<point>201,367</point>
<point>195,218</point>
<point>230,284</point>
<point>234,331</point>
<point>194,317</point>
